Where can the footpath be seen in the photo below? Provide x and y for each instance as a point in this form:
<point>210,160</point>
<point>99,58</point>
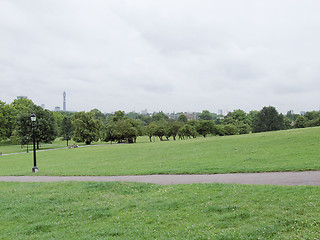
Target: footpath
<point>270,178</point>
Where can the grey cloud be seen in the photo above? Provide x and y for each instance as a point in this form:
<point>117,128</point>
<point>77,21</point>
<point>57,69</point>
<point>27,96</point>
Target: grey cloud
<point>179,55</point>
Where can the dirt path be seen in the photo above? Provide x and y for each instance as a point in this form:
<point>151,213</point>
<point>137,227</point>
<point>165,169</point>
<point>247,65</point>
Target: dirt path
<point>272,178</point>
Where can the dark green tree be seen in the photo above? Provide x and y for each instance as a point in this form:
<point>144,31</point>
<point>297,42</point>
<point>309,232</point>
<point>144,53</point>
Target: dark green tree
<point>300,122</point>
<point>161,129</point>
<point>173,128</point>
<point>268,119</point>
<point>87,127</point>
<point>150,130</point>
<point>183,118</point>
<point>160,116</point>
<point>121,128</point>
<point>205,127</point>
<point>206,115</point>
<point>7,120</point>
<point>45,126</point>
<point>99,115</point>
<point>66,130</point>
<point>187,131</point>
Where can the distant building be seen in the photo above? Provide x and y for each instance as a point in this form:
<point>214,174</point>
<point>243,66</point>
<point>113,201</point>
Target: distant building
<point>220,112</point>
<point>64,101</point>
<point>22,97</point>
<point>43,106</point>
<point>191,116</point>
<point>302,113</point>
<point>57,109</point>
<point>144,111</point>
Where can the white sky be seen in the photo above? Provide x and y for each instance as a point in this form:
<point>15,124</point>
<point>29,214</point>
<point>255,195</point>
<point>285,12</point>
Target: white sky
<point>169,55</point>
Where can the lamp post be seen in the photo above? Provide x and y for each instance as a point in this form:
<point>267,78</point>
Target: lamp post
<point>27,144</point>
<point>33,120</point>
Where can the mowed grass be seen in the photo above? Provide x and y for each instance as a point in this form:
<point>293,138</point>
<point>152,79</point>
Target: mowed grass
<point>7,147</point>
<point>292,150</point>
<point>73,210</point>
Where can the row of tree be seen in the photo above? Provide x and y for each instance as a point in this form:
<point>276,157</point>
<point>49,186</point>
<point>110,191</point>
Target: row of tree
<point>119,127</point>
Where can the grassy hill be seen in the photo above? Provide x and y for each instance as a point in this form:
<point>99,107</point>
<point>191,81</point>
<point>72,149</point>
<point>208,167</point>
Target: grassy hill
<point>291,150</point>
<point>87,210</point>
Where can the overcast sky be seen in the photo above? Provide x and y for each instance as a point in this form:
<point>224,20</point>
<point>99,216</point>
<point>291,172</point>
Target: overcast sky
<point>169,55</point>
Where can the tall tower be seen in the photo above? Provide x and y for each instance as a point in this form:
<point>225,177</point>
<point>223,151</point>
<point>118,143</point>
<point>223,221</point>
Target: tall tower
<point>64,101</point>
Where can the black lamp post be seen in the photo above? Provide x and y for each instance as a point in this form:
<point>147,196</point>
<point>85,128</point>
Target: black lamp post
<point>33,120</point>
<point>27,144</point>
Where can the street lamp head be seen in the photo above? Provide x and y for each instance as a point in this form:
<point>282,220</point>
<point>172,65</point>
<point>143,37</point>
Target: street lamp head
<point>33,117</point>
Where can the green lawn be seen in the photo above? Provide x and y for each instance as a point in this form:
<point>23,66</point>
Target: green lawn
<point>8,147</point>
<point>292,150</point>
<point>144,211</point>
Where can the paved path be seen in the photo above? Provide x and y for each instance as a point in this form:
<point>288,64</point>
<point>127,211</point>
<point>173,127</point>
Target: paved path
<point>273,178</point>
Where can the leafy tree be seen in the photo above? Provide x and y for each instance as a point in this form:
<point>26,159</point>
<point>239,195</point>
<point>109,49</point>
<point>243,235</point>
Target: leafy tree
<point>58,117</point>
<point>268,119</point>
<point>133,115</point>
<point>66,129</point>
<point>243,128</point>
<point>230,129</point>
<point>240,116</point>
<point>254,117</point>
<point>45,126</point>
<point>187,131</point>
<point>173,128</point>
<point>160,116</point>
<point>220,130</point>
<point>99,115</point>
<point>183,118</point>
<point>121,128</point>
<point>287,123</point>
<point>312,115</point>
<point>205,127</point>
<point>150,130</point>
<point>22,105</point>
<point>291,116</point>
<point>161,129</point>
<point>206,115</point>
<point>87,127</point>
<point>300,122</point>
<point>7,120</point>
<point>313,123</point>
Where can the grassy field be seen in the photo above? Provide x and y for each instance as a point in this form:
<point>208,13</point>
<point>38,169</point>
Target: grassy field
<point>8,147</point>
<point>87,210</point>
<point>293,150</point>
<point>145,211</point>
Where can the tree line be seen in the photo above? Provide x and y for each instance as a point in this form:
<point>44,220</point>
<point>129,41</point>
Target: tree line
<point>119,127</point>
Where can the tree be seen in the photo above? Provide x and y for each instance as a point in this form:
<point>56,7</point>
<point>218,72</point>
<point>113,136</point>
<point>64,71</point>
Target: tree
<point>161,129</point>
<point>121,128</point>
<point>206,115</point>
<point>173,128</point>
<point>150,130</point>
<point>205,127</point>
<point>268,119</point>
<point>300,122</point>
<point>7,120</point>
<point>230,129</point>
<point>240,116</point>
<point>99,115</point>
<point>160,116</point>
<point>187,131</point>
<point>87,127</point>
<point>66,130</point>
<point>183,118</point>
<point>45,125</point>
<point>312,115</point>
